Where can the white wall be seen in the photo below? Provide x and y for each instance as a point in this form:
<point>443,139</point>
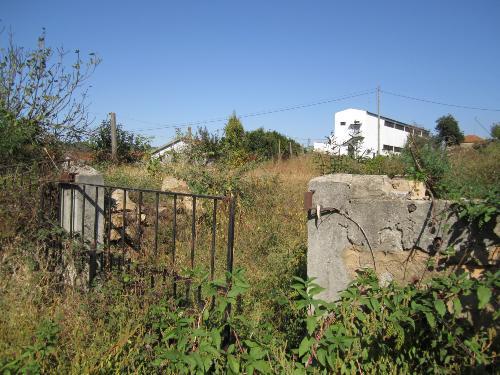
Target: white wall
<point>368,129</point>
<point>177,147</point>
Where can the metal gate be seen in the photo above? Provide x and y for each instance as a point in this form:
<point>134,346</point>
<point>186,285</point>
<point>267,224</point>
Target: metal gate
<point>169,238</point>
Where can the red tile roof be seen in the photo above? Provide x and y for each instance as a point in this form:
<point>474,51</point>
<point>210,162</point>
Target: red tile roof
<point>471,138</point>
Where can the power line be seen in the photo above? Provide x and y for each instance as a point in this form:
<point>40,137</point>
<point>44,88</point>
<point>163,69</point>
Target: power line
<point>481,125</point>
<point>440,103</point>
<point>260,113</point>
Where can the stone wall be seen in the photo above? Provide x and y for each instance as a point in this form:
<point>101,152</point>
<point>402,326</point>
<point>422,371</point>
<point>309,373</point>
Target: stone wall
<point>359,221</point>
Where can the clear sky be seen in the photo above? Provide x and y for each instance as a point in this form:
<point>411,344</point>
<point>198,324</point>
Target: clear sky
<point>170,62</point>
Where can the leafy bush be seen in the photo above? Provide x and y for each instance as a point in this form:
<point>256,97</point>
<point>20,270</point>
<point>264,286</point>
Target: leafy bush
<point>427,160</point>
<point>264,144</point>
<point>130,147</point>
<point>237,146</point>
<point>39,357</point>
<point>470,177</point>
<point>446,326</point>
<point>18,139</point>
<point>392,165</point>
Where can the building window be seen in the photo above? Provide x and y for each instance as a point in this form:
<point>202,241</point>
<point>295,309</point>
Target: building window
<point>342,122</point>
<point>397,149</point>
<point>389,124</point>
<point>388,148</point>
<point>400,127</point>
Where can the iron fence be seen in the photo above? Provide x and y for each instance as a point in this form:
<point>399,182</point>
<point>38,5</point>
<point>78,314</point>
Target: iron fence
<point>171,235</point>
<point>162,236</point>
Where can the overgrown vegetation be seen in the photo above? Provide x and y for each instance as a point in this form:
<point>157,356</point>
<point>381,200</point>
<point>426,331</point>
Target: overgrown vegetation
<point>444,325</point>
<point>236,147</point>
<point>448,325</point>
<point>126,323</point>
<point>131,147</point>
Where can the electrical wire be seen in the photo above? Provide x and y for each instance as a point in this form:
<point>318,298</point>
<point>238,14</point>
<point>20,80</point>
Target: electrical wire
<point>260,113</point>
<point>440,103</point>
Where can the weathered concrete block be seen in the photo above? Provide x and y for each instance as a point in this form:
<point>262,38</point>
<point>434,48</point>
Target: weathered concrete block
<point>353,213</point>
<point>81,205</point>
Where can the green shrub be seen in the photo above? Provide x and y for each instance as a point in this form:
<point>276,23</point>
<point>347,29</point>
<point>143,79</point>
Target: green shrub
<point>39,357</point>
<point>427,160</point>
<point>392,165</point>
<point>17,139</point>
<point>446,326</point>
<point>130,147</point>
<point>265,144</point>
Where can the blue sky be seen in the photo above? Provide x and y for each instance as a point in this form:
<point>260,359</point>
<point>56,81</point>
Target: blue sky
<point>176,62</point>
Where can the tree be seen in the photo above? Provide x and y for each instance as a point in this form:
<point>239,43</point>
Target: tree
<point>234,133</point>
<point>38,87</point>
<point>264,144</point>
<point>448,130</point>
<point>495,131</point>
<point>234,141</point>
<point>130,146</point>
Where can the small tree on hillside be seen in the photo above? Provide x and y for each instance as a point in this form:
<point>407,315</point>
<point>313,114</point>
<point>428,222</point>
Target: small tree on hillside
<point>448,130</point>
<point>495,131</point>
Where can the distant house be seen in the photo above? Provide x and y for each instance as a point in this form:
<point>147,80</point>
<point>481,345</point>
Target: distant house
<point>471,140</point>
<point>169,149</point>
<point>363,125</point>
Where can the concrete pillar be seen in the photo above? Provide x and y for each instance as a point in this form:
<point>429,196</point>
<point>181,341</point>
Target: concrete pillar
<point>83,204</point>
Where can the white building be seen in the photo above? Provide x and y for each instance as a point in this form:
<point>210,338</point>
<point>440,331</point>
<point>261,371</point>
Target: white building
<point>167,151</point>
<point>351,123</point>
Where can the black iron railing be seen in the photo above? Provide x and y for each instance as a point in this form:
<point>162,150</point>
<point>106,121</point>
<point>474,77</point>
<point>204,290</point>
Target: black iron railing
<point>111,230</point>
<point>167,234</point>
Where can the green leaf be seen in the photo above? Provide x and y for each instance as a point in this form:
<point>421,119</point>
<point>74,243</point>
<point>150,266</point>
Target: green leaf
<point>440,307</point>
<point>216,339</point>
<point>374,305</point>
<point>430,319</point>
<point>311,324</point>
<point>234,364</point>
<point>321,356</point>
<point>262,367</point>
<point>304,346</point>
<point>457,306</point>
<point>206,314</point>
<point>257,353</point>
<point>483,295</point>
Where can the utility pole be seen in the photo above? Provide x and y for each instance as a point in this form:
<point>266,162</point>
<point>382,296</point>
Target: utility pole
<point>279,149</point>
<point>114,144</point>
<point>290,148</point>
<point>378,120</point>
